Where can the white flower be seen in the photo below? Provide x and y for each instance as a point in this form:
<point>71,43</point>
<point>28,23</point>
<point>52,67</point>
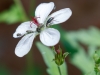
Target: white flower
<point>40,25</point>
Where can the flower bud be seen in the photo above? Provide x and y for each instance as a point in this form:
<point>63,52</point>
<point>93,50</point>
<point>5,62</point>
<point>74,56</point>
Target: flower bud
<point>59,56</point>
<point>96,57</point>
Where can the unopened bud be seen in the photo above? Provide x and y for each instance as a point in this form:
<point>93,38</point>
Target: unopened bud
<point>59,56</point>
<point>58,51</point>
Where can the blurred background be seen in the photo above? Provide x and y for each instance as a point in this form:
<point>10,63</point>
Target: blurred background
<point>85,13</point>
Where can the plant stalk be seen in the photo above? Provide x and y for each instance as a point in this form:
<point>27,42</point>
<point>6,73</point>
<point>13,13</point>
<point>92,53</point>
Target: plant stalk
<point>59,70</point>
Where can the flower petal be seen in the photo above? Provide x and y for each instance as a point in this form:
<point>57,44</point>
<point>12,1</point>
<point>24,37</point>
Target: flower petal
<point>43,10</point>
<point>23,27</point>
<point>24,45</point>
<point>60,16</point>
<point>50,37</point>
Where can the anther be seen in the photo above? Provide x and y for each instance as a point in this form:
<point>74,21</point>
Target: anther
<point>18,34</point>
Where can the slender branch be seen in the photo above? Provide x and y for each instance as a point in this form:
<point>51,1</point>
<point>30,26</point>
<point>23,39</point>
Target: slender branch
<point>59,70</point>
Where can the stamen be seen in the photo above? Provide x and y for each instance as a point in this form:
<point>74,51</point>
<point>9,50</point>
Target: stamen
<point>18,34</point>
<point>29,31</point>
<point>34,20</point>
<point>31,24</point>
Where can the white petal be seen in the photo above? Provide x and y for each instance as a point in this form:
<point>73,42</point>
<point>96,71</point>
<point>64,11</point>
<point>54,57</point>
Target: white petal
<point>43,10</point>
<point>23,27</point>
<point>50,37</point>
<point>61,16</point>
<point>24,45</point>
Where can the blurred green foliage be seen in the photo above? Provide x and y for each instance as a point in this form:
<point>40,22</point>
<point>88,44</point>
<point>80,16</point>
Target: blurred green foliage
<point>85,43</point>
<point>14,14</point>
<point>4,70</point>
<point>88,37</point>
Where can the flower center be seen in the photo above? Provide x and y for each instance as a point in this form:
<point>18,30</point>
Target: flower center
<point>40,28</point>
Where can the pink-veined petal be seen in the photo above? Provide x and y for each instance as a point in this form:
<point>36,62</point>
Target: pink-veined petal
<point>23,27</point>
<point>50,37</point>
<point>60,16</point>
<point>24,45</point>
<point>43,10</point>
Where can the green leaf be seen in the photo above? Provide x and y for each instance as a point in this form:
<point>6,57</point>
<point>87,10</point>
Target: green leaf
<point>82,61</point>
<point>90,38</point>
<point>48,57</point>
<point>91,73</point>
<point>12,15</point>
<point>87,37</point>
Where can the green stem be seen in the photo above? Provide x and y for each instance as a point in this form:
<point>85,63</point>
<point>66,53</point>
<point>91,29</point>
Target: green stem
<point>59,70</point>
<point>30,63</point>
<point>19,5</point>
